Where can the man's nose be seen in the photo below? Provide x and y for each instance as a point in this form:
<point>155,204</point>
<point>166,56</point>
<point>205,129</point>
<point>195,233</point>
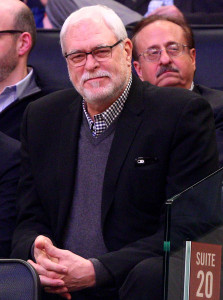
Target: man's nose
<point>165,58</point>
<point>91,63</point>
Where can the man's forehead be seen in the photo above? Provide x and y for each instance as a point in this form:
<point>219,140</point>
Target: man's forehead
<point>161,32</point>
<point>88,25</point>
<point>6,22</point>
<point>164,25</point>
<point>89,32</point>
<point>10,7</point>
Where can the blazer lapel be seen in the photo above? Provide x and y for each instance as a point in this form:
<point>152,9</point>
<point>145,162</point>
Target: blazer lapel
<point>196,89</point>
<point>126,129</point>
<point>67,159</point>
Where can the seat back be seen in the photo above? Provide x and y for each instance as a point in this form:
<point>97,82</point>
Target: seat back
<point>18,280</point>
<point>209,58</point>
<point>48,61</point>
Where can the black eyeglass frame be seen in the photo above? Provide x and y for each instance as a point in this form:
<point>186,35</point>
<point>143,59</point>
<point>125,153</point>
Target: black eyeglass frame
<point>66,55</point>
<point>160,51</point>
<point>11,31</point>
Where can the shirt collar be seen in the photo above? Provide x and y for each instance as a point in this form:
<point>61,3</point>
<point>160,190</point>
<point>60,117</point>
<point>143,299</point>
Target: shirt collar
<point>192,86</point>
<point>27,85</point>
<point>103,120</point>
<point>23,88</point>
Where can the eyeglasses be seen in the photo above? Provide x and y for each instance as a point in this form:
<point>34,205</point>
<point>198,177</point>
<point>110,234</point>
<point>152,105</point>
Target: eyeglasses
<point>11,31</point>
<point>153,54</point>
<point>78,59</point>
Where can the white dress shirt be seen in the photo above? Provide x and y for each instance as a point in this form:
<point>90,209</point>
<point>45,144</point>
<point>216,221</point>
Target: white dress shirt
<point>23,88</point>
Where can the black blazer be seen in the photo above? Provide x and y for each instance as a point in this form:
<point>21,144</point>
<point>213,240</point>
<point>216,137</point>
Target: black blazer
<point>9,175</point>
<point>176,139</point>
<point>215,99</point>
<point>11,116</point>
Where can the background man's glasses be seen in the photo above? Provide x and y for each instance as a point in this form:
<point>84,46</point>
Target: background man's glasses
<point>153,54</point>
<point>78,59</point>
<point>11,31</point>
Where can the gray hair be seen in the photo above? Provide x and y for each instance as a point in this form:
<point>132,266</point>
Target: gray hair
<point>110,18</point>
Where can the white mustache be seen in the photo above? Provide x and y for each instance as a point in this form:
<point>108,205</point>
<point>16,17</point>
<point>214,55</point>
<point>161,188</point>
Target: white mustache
<point>87,76</point>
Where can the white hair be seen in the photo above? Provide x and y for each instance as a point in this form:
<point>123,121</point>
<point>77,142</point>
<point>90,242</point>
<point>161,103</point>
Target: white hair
<point>110,18</point>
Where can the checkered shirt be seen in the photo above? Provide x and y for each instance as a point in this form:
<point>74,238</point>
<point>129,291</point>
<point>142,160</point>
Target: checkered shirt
<point>103,120</point>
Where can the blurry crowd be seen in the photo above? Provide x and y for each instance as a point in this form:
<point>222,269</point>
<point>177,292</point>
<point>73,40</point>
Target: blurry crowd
<point>52,13</point>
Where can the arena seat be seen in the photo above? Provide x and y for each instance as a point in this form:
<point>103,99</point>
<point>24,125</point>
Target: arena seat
<point>18,280</point>
<point>209,48</point>
<point>47,59</point>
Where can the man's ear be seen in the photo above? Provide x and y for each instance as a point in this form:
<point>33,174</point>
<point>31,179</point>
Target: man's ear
<point>128,50</point>
<point>193,57</point>
<point>138,69</point>
<point>24,43</point>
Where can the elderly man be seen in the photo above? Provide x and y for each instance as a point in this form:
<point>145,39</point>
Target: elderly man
<point>164,54</point>
<point>19,84</point>
<point>97,168</point>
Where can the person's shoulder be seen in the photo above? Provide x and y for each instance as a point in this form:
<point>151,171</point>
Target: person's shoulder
<point>171,100</point>
<point>56,100</point>
<point>9,151</point>
<point>213,96</point>
<point>7,142</point>
<point>171,97</point>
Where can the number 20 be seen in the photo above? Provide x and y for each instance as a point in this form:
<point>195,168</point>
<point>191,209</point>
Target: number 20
<point>208,282</point>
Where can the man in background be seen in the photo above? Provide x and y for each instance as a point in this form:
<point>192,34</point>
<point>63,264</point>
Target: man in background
<point>19,84</point>
<point>164,54</point>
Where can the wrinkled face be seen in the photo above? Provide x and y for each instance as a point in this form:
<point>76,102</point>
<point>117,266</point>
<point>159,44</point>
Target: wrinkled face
<point>98,81</point>
<point>167,71</point>
<point>8,53</point>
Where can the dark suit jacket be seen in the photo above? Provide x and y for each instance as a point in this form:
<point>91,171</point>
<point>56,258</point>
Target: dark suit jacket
<point>175,138</point>
<point>9,175</point>
<point>11,116</point>
<point>215,99</point>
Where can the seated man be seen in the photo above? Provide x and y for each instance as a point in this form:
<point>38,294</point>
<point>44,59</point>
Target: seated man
<point>98,167</point>
<point>9,175</point>
<point>164,54</point>
<point>18,83</point>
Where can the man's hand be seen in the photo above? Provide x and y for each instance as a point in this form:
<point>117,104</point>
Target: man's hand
<point>80,272</point>
<point>50,274</point>
<point>61,271</point>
